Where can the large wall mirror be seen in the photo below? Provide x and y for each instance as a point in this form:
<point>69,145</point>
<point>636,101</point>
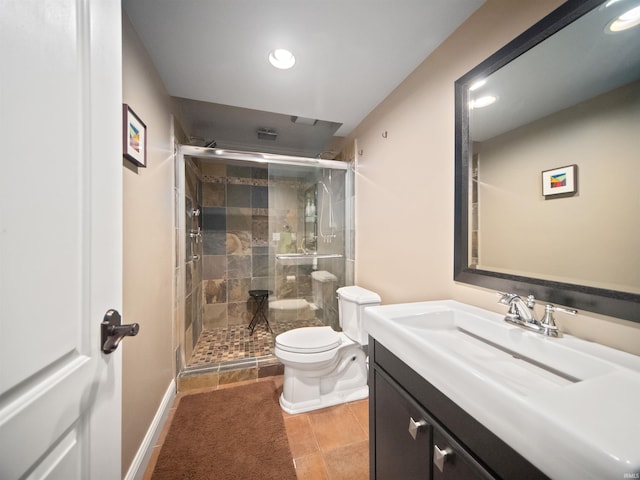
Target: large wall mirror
<point>548,162</point>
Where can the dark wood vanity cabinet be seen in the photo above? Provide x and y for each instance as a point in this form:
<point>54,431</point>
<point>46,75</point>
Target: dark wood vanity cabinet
<point>418,433</point>
<point>431,454</point>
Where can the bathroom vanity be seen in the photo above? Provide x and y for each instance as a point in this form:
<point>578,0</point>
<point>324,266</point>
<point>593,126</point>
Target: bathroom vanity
<point>417,432</point>
<point>458,393</point>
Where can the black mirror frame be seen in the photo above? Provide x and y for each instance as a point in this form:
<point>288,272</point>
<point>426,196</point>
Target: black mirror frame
<point>614,303</point>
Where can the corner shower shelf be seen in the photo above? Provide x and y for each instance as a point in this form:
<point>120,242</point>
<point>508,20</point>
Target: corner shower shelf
<point>304,258</point>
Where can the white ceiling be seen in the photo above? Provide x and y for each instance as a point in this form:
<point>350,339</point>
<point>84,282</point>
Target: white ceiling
<point>551,76</point>
<point>350,54</point>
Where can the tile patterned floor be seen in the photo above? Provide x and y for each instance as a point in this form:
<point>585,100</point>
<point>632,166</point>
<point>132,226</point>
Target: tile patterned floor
<point>327,444</point>
<point>332,443</point>
<point>233,343</point>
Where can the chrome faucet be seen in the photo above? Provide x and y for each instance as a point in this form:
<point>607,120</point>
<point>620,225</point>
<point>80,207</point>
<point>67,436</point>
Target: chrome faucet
<point>521,313</point>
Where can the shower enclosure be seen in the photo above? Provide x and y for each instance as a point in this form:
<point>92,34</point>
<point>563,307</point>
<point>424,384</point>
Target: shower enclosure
<point>251,221</point>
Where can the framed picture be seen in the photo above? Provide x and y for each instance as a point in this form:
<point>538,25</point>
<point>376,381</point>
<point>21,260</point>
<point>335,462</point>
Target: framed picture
<point>559,180</point>
<point>134,137</point>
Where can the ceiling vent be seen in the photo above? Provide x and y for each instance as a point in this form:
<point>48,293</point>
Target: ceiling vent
<point>304,121</point>
<point>266,134</point>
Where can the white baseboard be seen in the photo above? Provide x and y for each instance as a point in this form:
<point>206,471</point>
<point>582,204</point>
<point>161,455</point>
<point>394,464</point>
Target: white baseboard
<point>141,460</point>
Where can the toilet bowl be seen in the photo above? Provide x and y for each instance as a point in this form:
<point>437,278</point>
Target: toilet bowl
<point>323,367</point>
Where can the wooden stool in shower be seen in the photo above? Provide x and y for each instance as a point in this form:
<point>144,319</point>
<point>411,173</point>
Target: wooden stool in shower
<point>260,297</point>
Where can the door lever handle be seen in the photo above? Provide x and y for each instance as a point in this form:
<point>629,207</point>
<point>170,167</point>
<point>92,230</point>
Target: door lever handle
<point>112,331</point>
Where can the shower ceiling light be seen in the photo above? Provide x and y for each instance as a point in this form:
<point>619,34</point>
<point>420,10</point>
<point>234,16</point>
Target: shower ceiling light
<point>281,58</point>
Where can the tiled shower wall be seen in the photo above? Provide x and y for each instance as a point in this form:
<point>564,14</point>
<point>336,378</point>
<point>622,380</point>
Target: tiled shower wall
<point>287,201</point>
<point>193,323</point>
<point>235,251</point>
<point>235,230</point>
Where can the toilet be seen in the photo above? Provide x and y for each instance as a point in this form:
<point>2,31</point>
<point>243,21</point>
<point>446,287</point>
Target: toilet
<point>323,367</point>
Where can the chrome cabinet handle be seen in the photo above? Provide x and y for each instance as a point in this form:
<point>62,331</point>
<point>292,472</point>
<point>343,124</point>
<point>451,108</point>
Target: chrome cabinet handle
<point>414,427</point>
<point>440,456</point>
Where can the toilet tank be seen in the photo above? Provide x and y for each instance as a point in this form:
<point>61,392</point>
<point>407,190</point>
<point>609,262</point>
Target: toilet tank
<point>323,288</point>
<point>352,301</point>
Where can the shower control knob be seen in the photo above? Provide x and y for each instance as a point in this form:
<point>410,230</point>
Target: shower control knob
<point>112,331</point>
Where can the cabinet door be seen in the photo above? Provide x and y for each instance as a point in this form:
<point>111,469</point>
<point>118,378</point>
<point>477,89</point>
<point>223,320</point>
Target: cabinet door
<point>452,462</point>
<point>398,455</point>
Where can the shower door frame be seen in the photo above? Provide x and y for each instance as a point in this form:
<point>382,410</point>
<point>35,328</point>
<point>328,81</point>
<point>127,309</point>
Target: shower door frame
<point>250,158</point>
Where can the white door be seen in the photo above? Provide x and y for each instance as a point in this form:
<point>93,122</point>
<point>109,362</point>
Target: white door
<point>60,237</point>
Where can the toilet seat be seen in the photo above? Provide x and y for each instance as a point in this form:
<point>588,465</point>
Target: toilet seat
<point>308,340</point>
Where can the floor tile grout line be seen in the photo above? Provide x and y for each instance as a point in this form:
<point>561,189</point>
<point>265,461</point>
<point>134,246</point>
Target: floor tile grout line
<point>350,444</point>
<point>325,466</point>
<point>313,432</point>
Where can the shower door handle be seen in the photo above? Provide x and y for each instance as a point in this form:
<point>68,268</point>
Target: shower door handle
<point>112,331</point>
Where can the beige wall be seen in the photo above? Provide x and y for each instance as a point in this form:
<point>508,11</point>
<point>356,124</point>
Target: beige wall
<point>148,361</point>
<point>405,182</point>
<point>592,234</point>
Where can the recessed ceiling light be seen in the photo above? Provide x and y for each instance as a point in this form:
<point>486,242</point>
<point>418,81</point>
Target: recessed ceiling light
<point>482,102</point>
<point>281,58</point>
<point>627,20</point>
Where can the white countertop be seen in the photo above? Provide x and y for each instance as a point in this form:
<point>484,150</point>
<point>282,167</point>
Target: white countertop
<point>570,407</point>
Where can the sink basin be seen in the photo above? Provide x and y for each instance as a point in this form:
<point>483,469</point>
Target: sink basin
<point>567,405</point>
<point>523,362</point>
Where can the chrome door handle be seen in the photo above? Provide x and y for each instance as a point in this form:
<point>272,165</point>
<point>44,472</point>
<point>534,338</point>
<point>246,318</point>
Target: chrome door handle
<point>440,456</point>
<point>112,331</point>
<point>414,427</point>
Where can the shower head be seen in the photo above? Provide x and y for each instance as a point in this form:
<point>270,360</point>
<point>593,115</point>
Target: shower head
<point>199,141</point>
<point>327,155</point>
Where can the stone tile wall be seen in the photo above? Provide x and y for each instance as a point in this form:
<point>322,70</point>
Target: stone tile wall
<point>243,213</point>
<point>235,223</point>
<point>193,253</point>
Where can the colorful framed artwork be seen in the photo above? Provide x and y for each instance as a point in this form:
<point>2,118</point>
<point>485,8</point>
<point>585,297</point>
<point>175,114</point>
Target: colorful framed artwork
<point>558,181</point>
<point>134,137</point>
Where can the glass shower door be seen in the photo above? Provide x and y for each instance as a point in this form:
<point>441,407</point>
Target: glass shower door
<point>307,231</point>
<point>249,221</point>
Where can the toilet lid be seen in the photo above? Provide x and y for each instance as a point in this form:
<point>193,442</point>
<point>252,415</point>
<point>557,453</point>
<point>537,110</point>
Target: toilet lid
<point>308,340</point>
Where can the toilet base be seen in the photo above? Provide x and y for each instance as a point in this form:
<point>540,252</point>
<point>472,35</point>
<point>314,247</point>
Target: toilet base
<point>344,379</point>
<point>329,400</point>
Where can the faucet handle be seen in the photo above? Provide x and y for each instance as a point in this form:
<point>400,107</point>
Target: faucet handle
<point>548,323</point>
<point>505,298</point>
<point>570,311</point>
<point>531,301</point>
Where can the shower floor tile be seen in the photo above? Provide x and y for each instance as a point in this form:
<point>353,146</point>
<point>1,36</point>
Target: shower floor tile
<point>233,343</point>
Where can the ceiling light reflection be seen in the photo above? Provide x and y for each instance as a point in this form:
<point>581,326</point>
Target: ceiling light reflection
<point>627,20</point>
<point>482,102</point>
